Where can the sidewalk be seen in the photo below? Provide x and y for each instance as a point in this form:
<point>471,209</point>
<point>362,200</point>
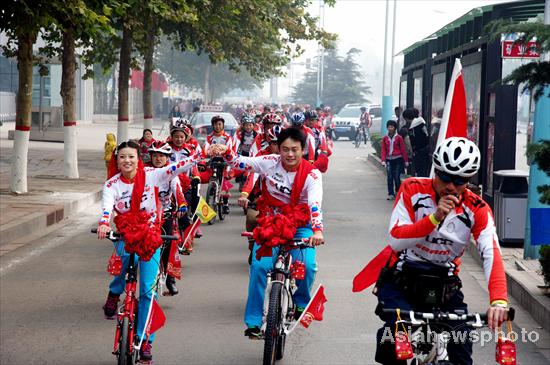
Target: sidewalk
<point>523,276</point>
<point>51,198</point>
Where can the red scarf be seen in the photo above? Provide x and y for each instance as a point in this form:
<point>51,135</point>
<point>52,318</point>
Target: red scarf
<point>141,236</point>
<point>276,229</point>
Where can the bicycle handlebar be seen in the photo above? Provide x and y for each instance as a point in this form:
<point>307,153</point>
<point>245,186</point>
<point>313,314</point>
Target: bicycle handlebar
<point>115,236</point>
<point>456,316</point>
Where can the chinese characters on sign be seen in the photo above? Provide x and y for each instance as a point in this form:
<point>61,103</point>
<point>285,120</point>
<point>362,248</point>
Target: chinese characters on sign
<point>520,50</point>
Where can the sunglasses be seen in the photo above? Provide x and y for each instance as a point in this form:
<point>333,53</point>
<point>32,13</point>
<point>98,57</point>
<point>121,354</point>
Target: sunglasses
<point>448,178</point>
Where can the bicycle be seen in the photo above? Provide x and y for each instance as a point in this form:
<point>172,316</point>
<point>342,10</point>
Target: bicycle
<point>360,135</point>
<point>214,191</point>
<point>429,339</point>
<point>279,308</point>
<point>126,344</point>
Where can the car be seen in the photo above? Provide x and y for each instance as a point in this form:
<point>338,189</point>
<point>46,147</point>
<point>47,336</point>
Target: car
<point>347,120</point>
<point>200,121</point>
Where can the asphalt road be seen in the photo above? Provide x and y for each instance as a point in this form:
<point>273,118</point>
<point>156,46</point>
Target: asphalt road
<point>51,291</point>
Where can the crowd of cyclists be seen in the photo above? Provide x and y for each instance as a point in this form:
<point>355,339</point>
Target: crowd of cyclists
<point>278,156</point>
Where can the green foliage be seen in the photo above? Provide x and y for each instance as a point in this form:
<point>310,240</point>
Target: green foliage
<point>544,260</point>
<point>189,68</point>
<point>376,143</point>
<point>343,82</point>
<point>540,154</point>
<point>260,36</point>
<point>535,75</point>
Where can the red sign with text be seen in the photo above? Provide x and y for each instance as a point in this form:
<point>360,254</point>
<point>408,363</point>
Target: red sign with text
<point>520,50</point>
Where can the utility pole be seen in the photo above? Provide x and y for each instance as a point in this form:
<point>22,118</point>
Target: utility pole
<point>537,177</point>
<point>320,55</point>
<point>386,99</point>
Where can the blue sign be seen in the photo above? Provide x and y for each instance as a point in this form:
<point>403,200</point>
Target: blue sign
<point>540,226</point>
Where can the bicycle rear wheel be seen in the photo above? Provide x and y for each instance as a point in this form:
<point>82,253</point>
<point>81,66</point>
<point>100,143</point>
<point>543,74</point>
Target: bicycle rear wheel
<point>358,138</point>
<point>211,198</point>
<point>273,327</point>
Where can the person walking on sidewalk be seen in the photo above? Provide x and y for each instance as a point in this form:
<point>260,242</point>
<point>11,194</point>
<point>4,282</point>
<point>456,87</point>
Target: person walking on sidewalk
<point>394,157</point>
<point>110,147</point>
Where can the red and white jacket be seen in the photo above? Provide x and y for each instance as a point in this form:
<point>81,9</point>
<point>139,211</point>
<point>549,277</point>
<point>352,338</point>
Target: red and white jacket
<point>190,148</point>
<point>416,238</point>
<point>117,191</point>
<point>393,147</point>
<point>260,143</point>
<point>279,181</point>
<point>309,152</point>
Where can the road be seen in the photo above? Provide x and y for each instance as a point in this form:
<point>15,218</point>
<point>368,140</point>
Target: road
<point>53,289</point>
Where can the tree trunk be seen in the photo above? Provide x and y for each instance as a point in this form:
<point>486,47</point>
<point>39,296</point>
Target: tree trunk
<point>147,78</point>
<point>68,93</point>
<point>206,90</point>
<point>123,80</point>
<point>18,181</point>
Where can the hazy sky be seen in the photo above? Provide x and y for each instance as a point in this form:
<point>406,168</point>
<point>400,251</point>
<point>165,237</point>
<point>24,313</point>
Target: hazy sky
<point>360,24</point>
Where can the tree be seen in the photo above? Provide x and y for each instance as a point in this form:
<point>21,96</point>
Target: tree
<point>343,82</point>
<point>156,17</point>
<point>260,36</point>
<point>22,22</point>
<point>76,24</point>
<point>190,69</point>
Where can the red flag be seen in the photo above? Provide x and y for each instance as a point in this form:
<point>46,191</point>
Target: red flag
<point>189,234</point>
<point>454,122</point>
<point>174,262</point>
<point>156,319</point>
<point>315,308</point>
<point>370,272</point>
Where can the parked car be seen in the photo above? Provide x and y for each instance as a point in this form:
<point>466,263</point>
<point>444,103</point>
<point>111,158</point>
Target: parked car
<point>202,126</point>
<point>347,120</point>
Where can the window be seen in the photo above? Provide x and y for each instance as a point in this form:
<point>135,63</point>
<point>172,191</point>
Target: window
<point>472,85</point>
<point>438,103</point>
<point>417,101</point>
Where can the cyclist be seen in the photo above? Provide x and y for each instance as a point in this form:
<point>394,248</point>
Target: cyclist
<point>261,142</point>
<point>221,137</point>
<point>430,227</point>
<point>145,143</point>
<point>291,185</point>
<point>183,146</point>
<point>313,123</point>
<point>172,199</point>
<point>251,190</point>
<point>129,176</point>
<point>297,120</point>
<point>245,136</point>
<point>365,123</point>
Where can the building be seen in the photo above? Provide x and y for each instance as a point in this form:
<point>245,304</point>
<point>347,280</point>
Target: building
<point>499,116</point>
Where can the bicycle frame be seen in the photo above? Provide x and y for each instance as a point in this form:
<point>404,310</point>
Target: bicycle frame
<point>129,306</point>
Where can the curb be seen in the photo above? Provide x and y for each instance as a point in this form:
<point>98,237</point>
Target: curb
<point>13,234</point>
<point>523,289</point>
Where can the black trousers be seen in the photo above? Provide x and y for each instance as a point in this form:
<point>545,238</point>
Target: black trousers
<point>391,295</point>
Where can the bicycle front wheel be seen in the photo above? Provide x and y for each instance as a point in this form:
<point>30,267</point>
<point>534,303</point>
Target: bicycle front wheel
<point>211,198</point>
<point>273,325</point>
<point>124,355</point>
<point>357,139</point>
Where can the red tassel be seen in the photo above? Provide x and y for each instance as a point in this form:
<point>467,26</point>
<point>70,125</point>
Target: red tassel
<point>141,236</point>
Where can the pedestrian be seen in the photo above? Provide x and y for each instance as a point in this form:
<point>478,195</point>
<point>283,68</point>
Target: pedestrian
<point>416,137</point>
<point>110,147</point>
<point>394,157</point>
<point>145,142</point>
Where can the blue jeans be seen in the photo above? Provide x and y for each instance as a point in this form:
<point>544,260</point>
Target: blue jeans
<point>394,168</point>
<point>258,279</point>
<point>147,279</point>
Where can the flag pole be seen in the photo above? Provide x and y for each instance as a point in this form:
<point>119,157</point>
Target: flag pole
<point>146,321</point>
<point>289,331</point>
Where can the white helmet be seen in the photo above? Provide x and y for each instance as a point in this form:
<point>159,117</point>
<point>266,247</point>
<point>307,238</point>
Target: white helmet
<point>161,147</point>
<point>457,156</point>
